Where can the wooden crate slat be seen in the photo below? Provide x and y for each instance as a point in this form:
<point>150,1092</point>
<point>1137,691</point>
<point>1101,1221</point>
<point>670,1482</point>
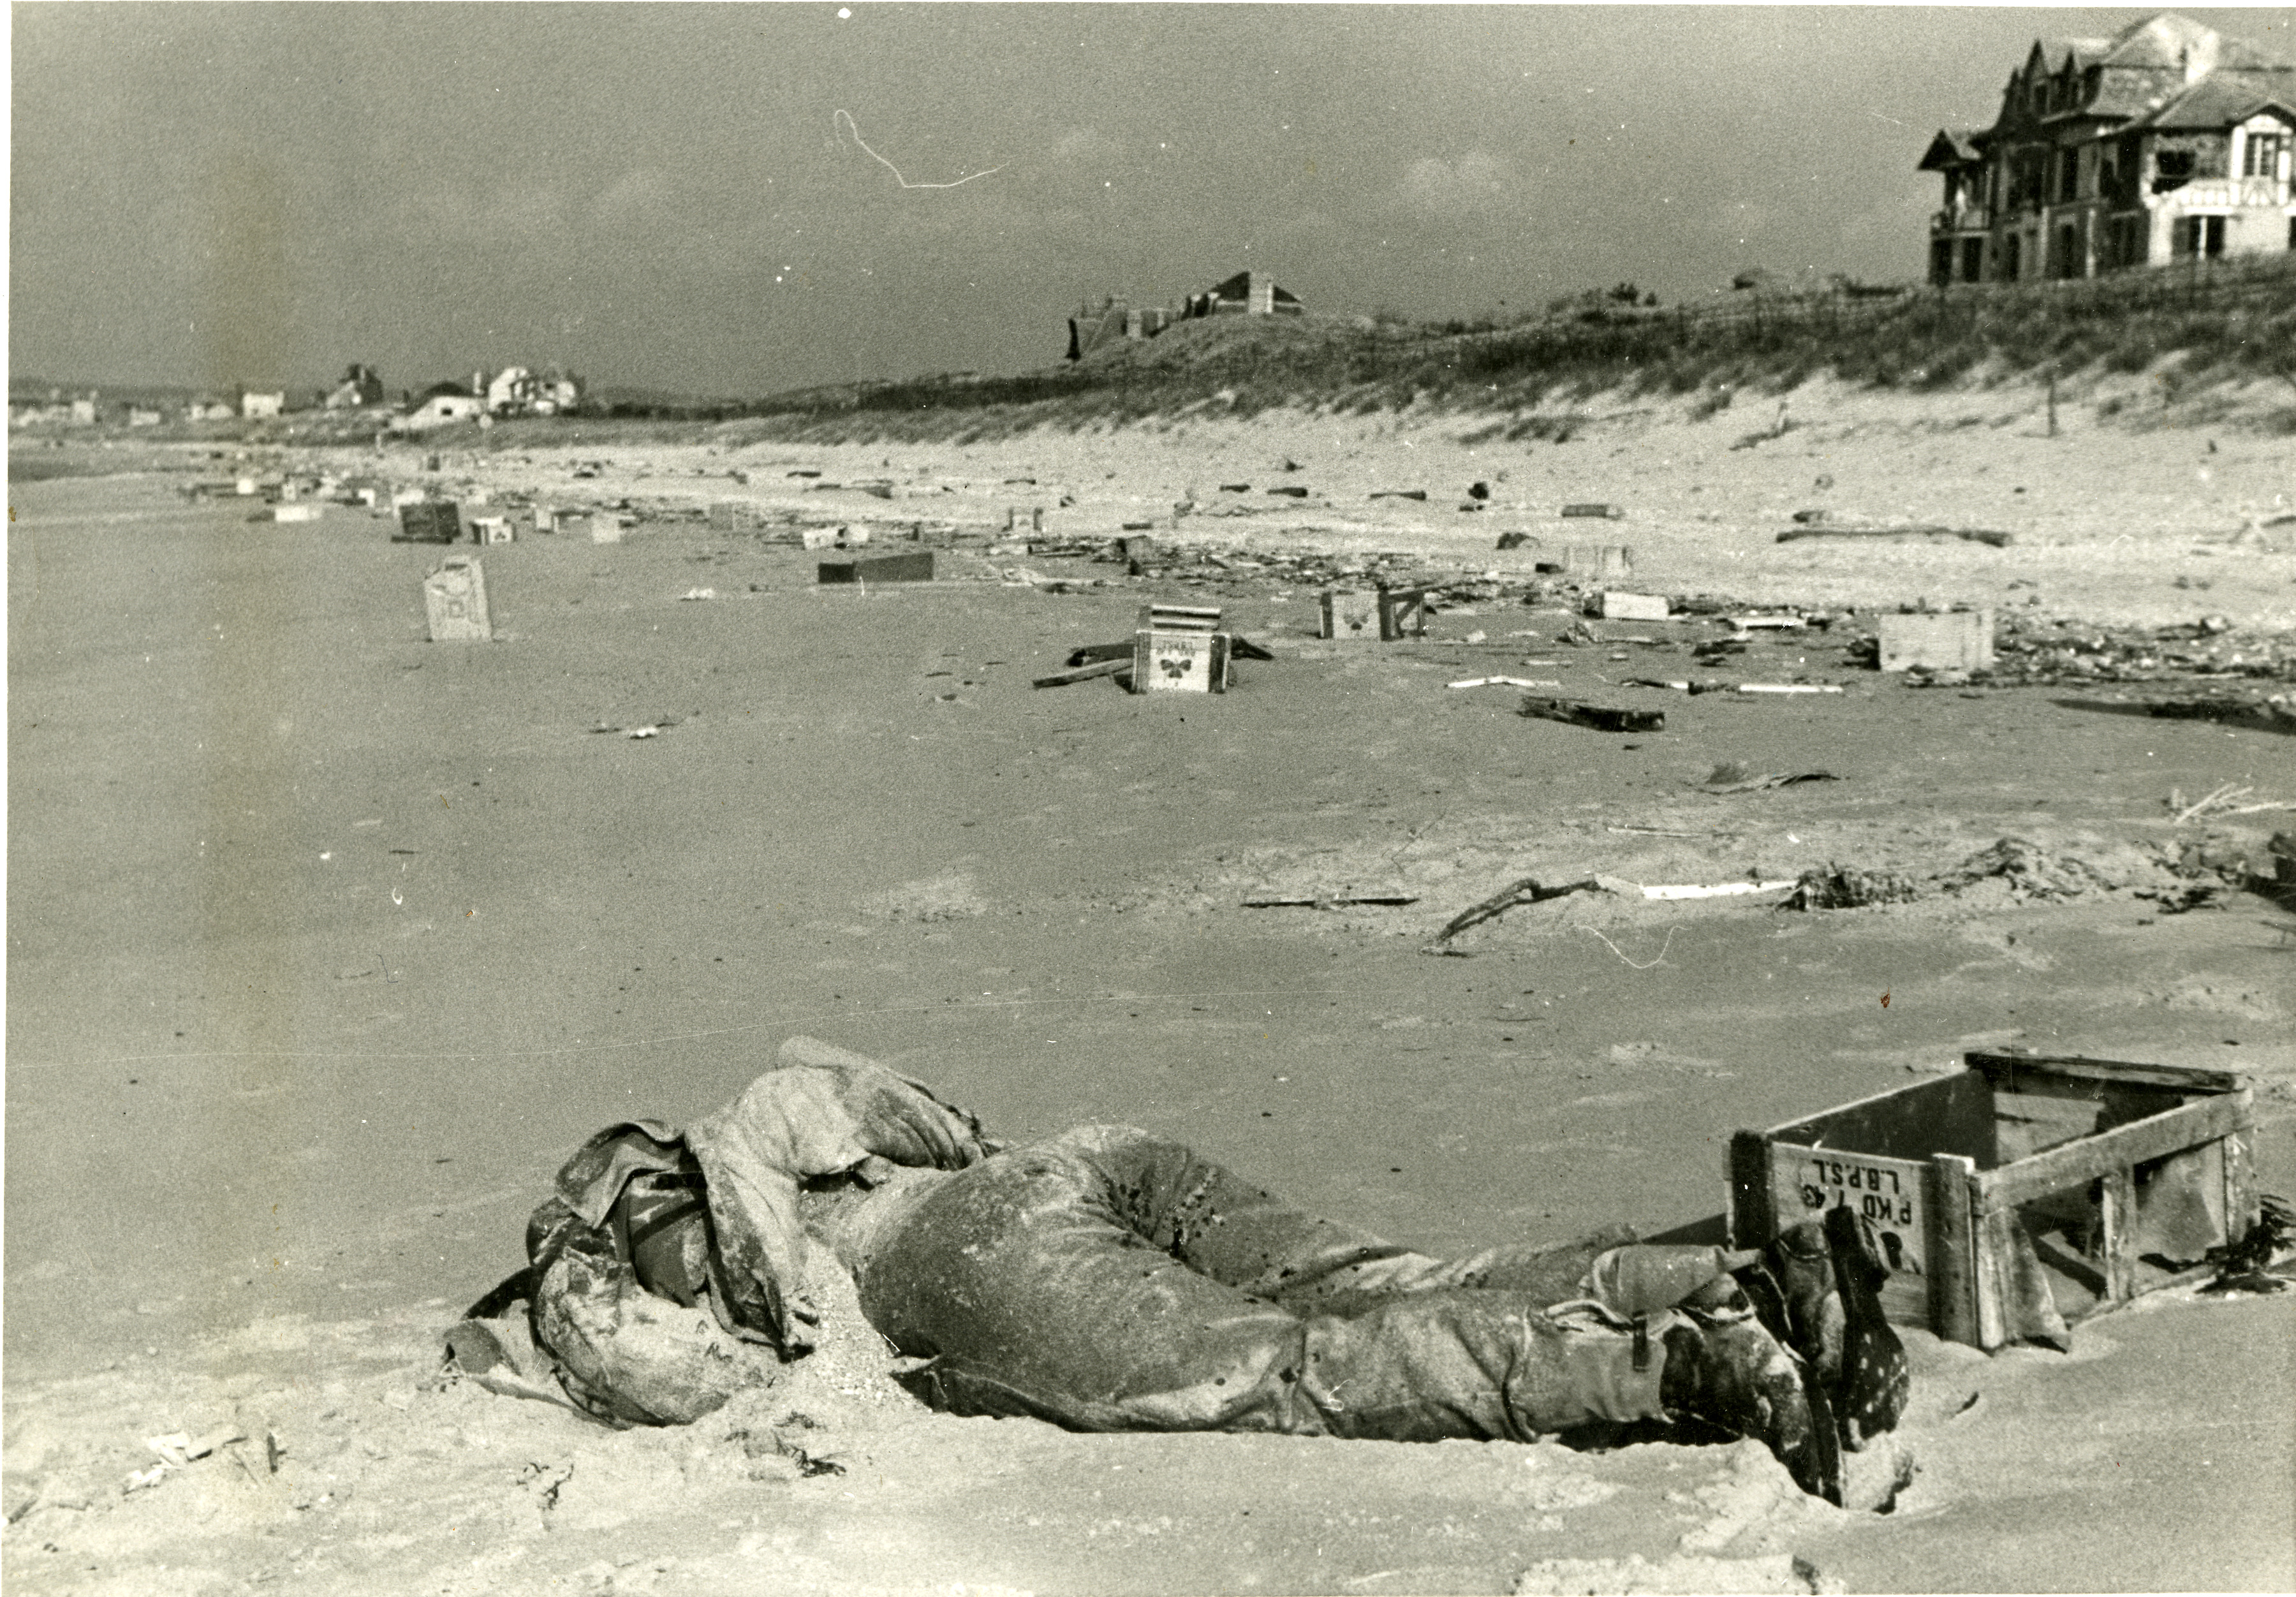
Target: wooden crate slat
<point>2182,1077</point>
<point>1895,1122</point>
<point>2117,1211</point>
<point>2068,1164</point>
<point>1752,1214</point>
<point>1953,1247</point>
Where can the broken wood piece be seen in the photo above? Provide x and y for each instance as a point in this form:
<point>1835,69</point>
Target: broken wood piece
<point>1527,890</point>
<point>1720,889</point>
<point>1508,682</point>
<point>1388,900</point>
<point>1608,512</point>
<point>1098,667</point>
<point>1998,540</point>
<point>1601,717</point>
<point>1420,493</point>
<point>1755,623</point>
<point>1755,784</point>
<point>1785,687</point>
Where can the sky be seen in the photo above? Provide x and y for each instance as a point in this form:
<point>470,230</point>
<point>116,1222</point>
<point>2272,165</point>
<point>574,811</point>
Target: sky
<point>667,196</point>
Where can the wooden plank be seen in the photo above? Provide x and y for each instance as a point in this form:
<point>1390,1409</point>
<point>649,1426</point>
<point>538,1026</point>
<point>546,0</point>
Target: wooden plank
<point>1099,667</point>
<point>2180,1078</point>
<point>1753,1221</point>
<point>2242,1208</point>
<point>1953,1114</point>
<point>2118,1204</point>
<point>2071,1163</point>
<point>1953,1248</point>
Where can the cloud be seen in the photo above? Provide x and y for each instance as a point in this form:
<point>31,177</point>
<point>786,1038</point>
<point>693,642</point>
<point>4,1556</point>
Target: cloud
<point>1475,183</point>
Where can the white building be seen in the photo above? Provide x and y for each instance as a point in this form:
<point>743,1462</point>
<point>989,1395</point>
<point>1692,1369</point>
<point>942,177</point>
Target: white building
<point>442,406</point>
<point>262,405</point>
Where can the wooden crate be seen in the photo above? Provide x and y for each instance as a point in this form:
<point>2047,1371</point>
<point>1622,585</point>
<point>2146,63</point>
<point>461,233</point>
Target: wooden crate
<point>1349,615</point>
<point>1957,641</point>
<point>1180,662</point>
<point>1958,1175</point>
<point>455,599</point>
<point>429,521</point>
<point>879,568</point>
<point>1402,614</point>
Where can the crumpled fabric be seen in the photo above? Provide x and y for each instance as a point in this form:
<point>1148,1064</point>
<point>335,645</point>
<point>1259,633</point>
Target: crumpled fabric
<point>1108,1280</point>
<point>632,1357</point>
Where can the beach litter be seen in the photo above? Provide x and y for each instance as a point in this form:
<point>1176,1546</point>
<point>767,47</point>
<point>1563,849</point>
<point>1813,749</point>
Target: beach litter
<point>1731,777</point>
<point>1998,540</point>
<point>1844,887</point>
<point>1601,717</point>
<point>1330,900</point>
<point>1508,682</point>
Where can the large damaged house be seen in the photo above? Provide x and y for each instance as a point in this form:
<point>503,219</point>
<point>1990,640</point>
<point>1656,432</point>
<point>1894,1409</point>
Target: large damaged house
<point>1113,322</point>
<point>2167,141</point>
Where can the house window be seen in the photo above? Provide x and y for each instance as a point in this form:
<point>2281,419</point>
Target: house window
<point>2262,159</point>
<point>2068,175</point>
<point>1972,256</point>
<point>2172,169</point>
<point>2199,235</point>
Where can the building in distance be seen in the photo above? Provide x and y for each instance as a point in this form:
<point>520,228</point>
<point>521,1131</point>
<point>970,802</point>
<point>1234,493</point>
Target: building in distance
<point>2167,141</point>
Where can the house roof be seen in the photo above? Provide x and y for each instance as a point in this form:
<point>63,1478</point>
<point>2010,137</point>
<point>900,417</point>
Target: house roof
<point>1950,149</point>
<point>2165,70</point>
<point>2224,98</point>
<point>441,391</point>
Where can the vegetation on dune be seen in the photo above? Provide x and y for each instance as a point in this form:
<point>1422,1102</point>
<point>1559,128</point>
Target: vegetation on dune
<point>2223,322</point>
<point>2227,320</point>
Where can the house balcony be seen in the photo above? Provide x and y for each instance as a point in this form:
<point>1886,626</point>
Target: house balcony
<point>2230,193</point>
<point>1965,218</point>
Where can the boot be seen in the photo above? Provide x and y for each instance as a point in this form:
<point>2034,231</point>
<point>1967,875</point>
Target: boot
<point>1819,1295</point>
<point>1725,1369</point>
<point>1869,1393</point>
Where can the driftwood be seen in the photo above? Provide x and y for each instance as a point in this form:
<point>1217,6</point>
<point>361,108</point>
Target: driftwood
<point>1297,901</point>
<point>2000,540</point>
<point>1110,667</point>
<point>1601,717</point>
<point>1528,891</point>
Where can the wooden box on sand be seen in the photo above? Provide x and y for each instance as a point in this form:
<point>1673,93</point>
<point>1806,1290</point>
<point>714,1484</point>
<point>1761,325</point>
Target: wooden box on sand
<point>2021,1191</point>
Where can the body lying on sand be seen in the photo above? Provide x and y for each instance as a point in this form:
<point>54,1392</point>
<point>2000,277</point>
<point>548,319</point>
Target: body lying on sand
<point>1108,1280</point>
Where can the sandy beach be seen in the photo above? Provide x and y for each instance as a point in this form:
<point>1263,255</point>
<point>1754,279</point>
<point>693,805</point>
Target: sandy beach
<point>327,944</point>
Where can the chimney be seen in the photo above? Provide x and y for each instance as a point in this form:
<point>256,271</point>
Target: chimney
<point>2200,58</point>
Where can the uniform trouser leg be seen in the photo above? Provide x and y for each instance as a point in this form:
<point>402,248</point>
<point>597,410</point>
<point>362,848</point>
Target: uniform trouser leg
<point>1108,1280</point>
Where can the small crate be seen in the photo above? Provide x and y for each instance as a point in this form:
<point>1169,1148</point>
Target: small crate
<point>1349,615</point>
<point>1402,614</point>
<point>879,568</point>
<point>429,521</point>
<point>1598,560</point>
<point>491,529</point>
<point>734,516</point>
<point>1180,662</point>
<point>2092,1179</point>
<point>454,595</point>
<point>1614,606</point>
<point>1960,641</point>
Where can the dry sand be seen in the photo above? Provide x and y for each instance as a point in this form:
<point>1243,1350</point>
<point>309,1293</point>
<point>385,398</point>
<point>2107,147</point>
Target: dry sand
<point>326,944</point>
